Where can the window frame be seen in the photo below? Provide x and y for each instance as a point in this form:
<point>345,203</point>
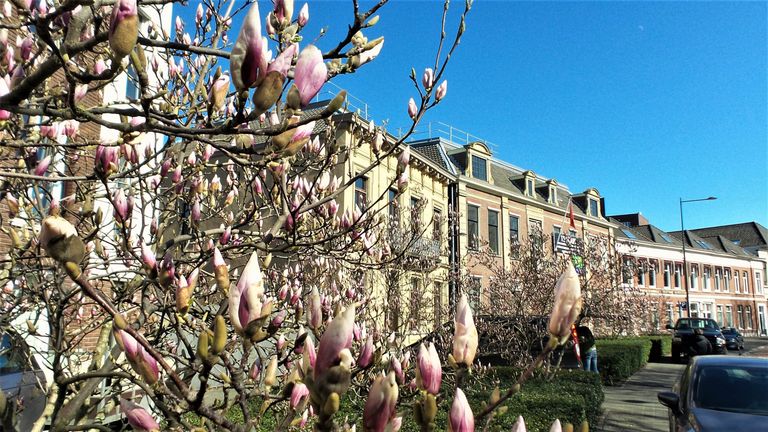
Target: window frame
<point>361,192</point>
<point>473,235</point>
<point>493,232</point>
<point>478,161</point>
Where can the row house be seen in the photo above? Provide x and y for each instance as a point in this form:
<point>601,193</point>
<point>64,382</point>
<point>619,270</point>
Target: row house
<point>498,204</point>
<point>724,281</point>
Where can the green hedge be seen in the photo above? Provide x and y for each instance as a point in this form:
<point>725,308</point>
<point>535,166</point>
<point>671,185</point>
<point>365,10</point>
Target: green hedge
<point>618,359</point>
<point>571,396</point>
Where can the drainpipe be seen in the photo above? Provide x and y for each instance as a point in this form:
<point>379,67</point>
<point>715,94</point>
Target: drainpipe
<point>453,243</point>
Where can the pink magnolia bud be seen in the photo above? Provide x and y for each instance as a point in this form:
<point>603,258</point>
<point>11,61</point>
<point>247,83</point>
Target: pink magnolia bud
<point>4,90</point>
<point>380,406</point>
<point>310,73</point>
<point>176,177</point>
<point>199,13</point>
<point>284,11</point>
<point>148,257</point>
<point>141,361</point>
<point>225,236</point>
<point>428,78</point>
<point>278,320</point>
<point>556,426</point>
<point>298,393</point>
<point>120,204</point>
<point>70,128</point>
<point>314,311</point>
<point>397,367</point>
<point>138,417</point>
<point>100,66</point>
<point>165,167</point>
<point>196,214</point>
<point>255,369</point>
<point>247,62</point>
<point>42,166</point>
<point>335,342</point>
<point>309,356</point>
<point>567,305</point>
<point>461,418</point>
<point>80,91</point>
<point>282,63</point>
<point>217,96</point>
<point>429,372</point>
<point>442,89</point>
<point>366,353</point>
<point>123,27</point>
<point>245,296</point>
<point>465,337</point>
<point>304,15</point>
<point>280,343</point>
<point>404,158</point>
<point>208,152</point>
<point>26,48</point>
<point>179,25</point>
<point>268,24</point>
<point>412,108</point>
<point>519,425</point>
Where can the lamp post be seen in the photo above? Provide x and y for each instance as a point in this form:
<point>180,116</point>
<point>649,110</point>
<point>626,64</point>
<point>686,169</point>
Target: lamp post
<point>685,262</point>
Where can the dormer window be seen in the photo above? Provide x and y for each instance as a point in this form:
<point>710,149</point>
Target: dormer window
<point>594,207</point>
<point>552,195</point>
<point>529,187</point>
<point>479,168</point>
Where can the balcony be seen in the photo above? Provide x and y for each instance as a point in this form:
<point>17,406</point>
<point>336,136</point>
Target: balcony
<point>416,250</point>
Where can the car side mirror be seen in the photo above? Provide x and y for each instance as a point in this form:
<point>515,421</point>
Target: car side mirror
<point>670,400</point>
<point>670,327</point>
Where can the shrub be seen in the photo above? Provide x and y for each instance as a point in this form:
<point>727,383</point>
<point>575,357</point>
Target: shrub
<point>618,359</point>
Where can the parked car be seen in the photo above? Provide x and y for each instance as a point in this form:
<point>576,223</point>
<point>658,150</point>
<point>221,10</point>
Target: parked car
<point>683,337</point>
<point>717,393</point>
<point>733,339</point>
<point>22,381</point>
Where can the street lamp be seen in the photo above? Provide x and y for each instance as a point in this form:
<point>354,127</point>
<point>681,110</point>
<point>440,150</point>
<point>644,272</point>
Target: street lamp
<point>685,262</point>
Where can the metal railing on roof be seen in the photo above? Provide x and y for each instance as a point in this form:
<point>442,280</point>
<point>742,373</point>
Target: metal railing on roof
<point>453,134</point>
<point>354,104</point>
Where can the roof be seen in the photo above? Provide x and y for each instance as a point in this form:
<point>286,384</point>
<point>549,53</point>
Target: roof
<point>434,152</point>
<point>693,241</point>
<point>749,235</point>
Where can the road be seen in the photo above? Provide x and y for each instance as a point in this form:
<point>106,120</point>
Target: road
<point>633,406</point>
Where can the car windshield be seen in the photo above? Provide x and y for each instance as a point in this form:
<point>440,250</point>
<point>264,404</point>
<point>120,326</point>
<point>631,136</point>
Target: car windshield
<point>735,388</point>
<point>730,331</point>
<point>704,324</point>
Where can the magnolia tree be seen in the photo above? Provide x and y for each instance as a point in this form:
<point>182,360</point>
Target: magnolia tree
<point>181,252</point>
<point>518,299</point>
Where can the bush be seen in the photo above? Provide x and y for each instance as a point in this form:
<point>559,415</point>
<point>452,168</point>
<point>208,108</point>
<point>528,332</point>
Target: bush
<point>618,359</point>
<point>571,396</point>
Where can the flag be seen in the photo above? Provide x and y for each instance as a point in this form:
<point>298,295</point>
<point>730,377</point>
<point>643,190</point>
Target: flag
<point>570,211</point>
<point>576,348</point>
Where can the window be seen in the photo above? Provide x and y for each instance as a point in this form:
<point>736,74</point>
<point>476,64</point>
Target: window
<point>535,227</point>
<point>707,278</point>
<point>553,195</point>
<point>626,272</point>
<point>706,310</point>
<point>758,283</point>
<point>472,226</point>
<point>529,189</point>
<point>555,237</point>
<point>729,316</point>
<point>727,280</point>
<point>437,224</point>
<point>745,281</point>
<point>670,314</point>
<point>736,286</point>
<point>514,228</point>
<point>392,208</point>
<point>361,193</point>
<point>593,207</point>
<point>493,231</point>
<point>652,273</point>
<point>131,83</point>
<point>416,294</point>
<point>475,287</point>
<point>749,316</point>
<point>629,234</point>
<point>718,278</point>
<point>678,275</point>
<point>740,315</point>
<point>479,168</point>
<point>694,280</point>
<point>694,310</point>
<point>415,214</point>
<point>720,315</point>
<point>667,274</point>
<point>665,237</point>
<point>641,274</point>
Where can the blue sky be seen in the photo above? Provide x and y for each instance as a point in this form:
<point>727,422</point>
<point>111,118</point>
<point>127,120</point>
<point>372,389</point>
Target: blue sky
<point>647,102</point>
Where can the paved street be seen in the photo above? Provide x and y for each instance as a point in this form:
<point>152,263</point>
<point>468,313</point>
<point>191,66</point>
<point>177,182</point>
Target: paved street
<point>633,406</point>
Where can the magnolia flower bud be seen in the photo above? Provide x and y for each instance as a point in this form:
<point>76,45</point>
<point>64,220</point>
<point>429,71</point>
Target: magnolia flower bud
<point>428,78</point>
<point>123,28</point>
<point>442,89</point>
<point>248,64</point>
<point>366,353</point>
<point>381,403</point>
<point>219,335</point>
<point>567,305</point>
<point>336,339</point>
<point>465,338</point>
<point>429,372</point>
<point>245,297</point>
<point>461,418</point>
<point>60,241</point>
<point>218,93</point>
<point>310,73</point>
<point>412,108</point>
<point>556,426</point>
<point>141,361</point>
<point>270,375</point>
<point>519,425</point>
<point>138,417</point>
<point>42,166</point>
<point>304,15</point>
<point>148,257</point>
<point>298,393</point>
<point>220,271</point>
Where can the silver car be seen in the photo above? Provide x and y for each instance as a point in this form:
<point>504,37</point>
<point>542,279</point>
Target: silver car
<point>22,383</point>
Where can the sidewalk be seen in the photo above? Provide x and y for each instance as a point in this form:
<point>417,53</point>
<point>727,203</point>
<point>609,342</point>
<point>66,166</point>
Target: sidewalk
<point>633,406</point>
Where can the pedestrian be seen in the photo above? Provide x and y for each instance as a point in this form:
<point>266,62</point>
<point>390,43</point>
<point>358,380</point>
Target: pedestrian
<point>699,344</point>
<point>587,346</point>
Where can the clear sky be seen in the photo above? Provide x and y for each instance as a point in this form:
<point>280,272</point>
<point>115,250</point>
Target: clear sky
<point>647,102</point>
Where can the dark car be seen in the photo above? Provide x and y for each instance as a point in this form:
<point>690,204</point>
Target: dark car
<point>22,381</point>
<point>684,336</point>
<point>717,393</point>
<point>733,339</point>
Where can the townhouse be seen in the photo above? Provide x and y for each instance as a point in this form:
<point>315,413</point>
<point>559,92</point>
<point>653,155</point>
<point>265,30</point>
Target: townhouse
<point>723,280</point>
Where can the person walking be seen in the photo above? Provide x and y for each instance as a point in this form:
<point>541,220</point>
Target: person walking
<point>588,348</point>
